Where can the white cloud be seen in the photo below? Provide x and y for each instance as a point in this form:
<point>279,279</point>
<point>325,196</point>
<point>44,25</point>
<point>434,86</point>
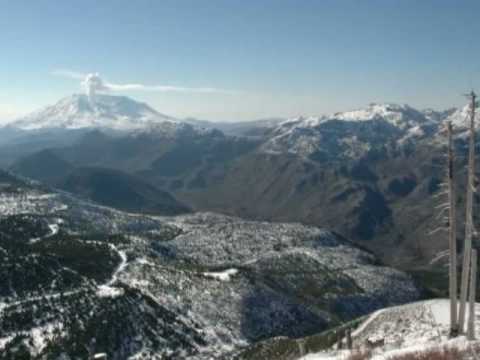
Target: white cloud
<point>93,82</point>
<point>165,88</point>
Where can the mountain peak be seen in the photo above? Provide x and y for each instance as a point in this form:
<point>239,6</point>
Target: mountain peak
<point>397,114</point>
<point>460,117</point>
<point>306,135</point>
<point>79,111</point>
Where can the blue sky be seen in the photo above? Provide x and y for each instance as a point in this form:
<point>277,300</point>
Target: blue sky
<point>276,57</point>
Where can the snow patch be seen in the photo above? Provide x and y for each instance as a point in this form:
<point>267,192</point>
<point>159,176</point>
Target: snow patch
<point>100,356</point>
<point>144,261</point>
<point>121,267</point>
<point>105,291</point>
<point>221,275</point>
<point>54,228</point>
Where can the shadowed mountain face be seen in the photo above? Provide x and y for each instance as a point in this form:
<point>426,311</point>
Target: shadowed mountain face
<point>105,186</point>
<point>119,190</point>
<point>127,171</point>
<point>43,166</point>
<point>370,174</point>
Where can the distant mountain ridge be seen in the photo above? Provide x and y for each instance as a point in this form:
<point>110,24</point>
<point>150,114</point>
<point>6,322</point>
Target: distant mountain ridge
<point>307,135</point>
<point>79,111</point>
<point>370,174</point>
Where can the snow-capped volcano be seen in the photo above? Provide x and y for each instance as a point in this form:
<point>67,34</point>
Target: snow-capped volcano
<point>103,111</point>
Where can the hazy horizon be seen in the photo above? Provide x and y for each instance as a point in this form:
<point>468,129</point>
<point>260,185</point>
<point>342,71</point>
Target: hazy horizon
<point>16,117</point>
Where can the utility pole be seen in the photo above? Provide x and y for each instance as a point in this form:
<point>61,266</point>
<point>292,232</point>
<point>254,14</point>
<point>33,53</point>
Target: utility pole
<point>452,235</point>
<point>471,302</point>
<point>469,216</point>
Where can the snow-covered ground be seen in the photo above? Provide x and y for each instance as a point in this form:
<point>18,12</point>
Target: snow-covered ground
<point>411,328</point>
<point>28,203</point>
<point>211,283</point>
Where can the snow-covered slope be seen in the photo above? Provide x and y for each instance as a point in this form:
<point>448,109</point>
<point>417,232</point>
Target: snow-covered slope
<point>103,111</point>
<point>305,136</point>
<point>460,117</point>
<point>402,116</point>
<point>408,329</point>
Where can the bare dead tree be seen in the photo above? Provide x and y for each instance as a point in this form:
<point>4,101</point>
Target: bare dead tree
<point>471,300</point>
<point>452,235</point>
<point>447,215</point>
<point>469,216</point>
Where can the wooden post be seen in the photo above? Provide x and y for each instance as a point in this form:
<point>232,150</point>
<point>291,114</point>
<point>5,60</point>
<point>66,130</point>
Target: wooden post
<point>349,339</point>
<point>301,347</point>
<point>331,339</point>
<point>468,217</point>
<point>339,340</point>
<point>473,291</point>
<point>452,235</point>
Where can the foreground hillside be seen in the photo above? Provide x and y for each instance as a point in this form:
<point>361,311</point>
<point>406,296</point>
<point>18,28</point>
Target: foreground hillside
<point>419,330</point>
<point>413,330</point>
<point>78,278</point>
